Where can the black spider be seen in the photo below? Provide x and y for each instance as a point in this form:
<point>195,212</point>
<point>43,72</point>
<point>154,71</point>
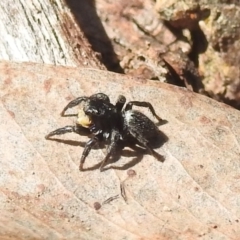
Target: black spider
<point>111,124</point>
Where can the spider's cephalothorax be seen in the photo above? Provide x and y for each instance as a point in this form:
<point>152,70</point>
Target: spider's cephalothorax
<point>115,125</point>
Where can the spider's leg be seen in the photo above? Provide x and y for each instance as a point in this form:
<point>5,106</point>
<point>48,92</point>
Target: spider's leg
<point>73,103</point>
<point>143,104</point>
<point>63,130</point>
<point>86,150</point>
<point>120,102</point>
<point>158,156</point>
<point>115,136</point>
<point>144,142</point>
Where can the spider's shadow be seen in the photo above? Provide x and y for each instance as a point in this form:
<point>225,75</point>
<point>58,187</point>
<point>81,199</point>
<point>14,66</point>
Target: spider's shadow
<point>137,153</point>
<point>76,143</point>
<point>156,142</point>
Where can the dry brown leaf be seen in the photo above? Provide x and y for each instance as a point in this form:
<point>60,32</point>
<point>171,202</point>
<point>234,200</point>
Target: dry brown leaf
<point>194,194</point>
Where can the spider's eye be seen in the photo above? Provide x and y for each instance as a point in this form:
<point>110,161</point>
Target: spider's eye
<point>92,111</point>
<point>100,96</point>
<point>122,99</point>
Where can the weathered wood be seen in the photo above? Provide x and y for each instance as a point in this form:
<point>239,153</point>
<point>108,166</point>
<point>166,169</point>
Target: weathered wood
<point>43,31</point>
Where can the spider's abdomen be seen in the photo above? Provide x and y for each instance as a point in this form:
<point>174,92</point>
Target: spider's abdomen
<point>140,126</point>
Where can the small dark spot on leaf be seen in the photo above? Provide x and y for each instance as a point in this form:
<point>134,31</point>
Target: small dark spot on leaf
<point>215,226</point>
<point>196,189</point>
<point>8,81</point>
<point>12,114</point>
<point>47,85</point>
<point>68,98</point>
<point>11,172</point>
<point>41,187</point>
<point>204,120</point>
<point>97,205</point>
<point>131,173</point>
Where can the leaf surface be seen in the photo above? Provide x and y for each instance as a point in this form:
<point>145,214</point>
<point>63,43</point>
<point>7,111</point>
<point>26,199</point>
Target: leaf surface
<point>194,193</point>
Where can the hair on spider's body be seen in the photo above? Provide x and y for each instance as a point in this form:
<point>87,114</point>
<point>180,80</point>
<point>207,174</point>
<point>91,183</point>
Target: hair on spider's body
<point>114,125</point>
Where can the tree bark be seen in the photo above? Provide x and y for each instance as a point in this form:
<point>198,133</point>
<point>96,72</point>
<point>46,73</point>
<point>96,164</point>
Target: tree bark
<point>43,31</point>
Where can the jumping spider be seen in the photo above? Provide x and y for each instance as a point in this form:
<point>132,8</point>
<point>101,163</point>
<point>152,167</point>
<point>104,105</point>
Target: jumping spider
<point>111,124</point>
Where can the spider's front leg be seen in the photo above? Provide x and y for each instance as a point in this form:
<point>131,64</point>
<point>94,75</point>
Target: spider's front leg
<point>63,130</point>
<point>73,103</point>
<point>115,137</point>
<point>158,156</point>
<point>143,104</point>
<point>144,142</point>
<point>86,150</point>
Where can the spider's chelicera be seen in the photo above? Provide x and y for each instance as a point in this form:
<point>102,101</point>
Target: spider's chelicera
<point>115,125</point>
